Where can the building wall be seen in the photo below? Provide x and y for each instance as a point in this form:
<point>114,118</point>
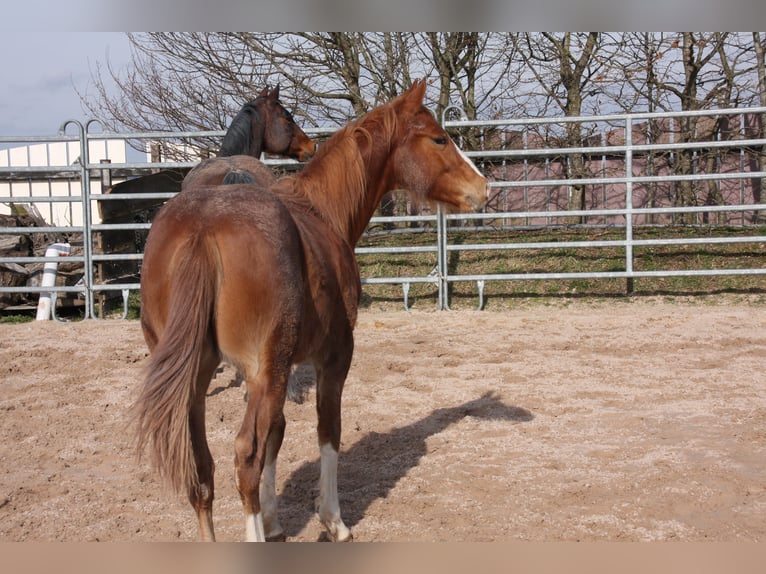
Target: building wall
<point>53,155</point>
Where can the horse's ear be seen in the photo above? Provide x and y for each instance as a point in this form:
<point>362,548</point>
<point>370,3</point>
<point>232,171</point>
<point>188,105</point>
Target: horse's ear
<point>418,90</point>
<point>264,92</point>
<point>275,93</point>
<point>413,97</point>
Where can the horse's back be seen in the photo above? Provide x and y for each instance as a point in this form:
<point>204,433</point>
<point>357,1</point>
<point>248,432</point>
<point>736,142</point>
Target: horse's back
<point>212,171</point>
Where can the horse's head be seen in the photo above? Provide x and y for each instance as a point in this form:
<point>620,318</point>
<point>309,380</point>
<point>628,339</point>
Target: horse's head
<point>425,160</point>
<point>281,135</point>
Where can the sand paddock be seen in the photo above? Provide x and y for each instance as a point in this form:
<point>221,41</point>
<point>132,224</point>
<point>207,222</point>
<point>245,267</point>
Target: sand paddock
<point>580,420</point>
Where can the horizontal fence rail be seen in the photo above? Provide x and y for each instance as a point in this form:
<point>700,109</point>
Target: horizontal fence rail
<point>531,181</point>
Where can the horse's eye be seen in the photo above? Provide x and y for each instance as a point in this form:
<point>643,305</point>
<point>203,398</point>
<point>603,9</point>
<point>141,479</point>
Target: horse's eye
<point>440,140</point>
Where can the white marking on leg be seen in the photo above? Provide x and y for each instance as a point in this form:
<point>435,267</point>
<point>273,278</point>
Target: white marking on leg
<point>329,507</point>
<point>254,528</point>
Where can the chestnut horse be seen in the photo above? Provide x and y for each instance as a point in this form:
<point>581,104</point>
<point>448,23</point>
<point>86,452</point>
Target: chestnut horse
<point>265,278</point>
<point>262,125</point>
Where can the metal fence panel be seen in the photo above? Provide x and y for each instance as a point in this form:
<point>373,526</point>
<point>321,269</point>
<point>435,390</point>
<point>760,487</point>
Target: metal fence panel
<point>619,177</point>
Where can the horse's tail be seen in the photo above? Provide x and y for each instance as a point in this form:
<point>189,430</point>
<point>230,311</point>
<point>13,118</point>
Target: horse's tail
<point>170,384</point>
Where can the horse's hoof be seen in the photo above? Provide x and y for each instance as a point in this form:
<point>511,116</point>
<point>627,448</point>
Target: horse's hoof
<point>277,538</point>
<point>325,536</point>
<point>334,537</point>
<point>349,538</point>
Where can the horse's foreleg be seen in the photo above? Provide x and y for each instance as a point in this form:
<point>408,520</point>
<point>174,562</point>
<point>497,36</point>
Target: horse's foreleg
<point>327,504</point>
<point>329,389</point>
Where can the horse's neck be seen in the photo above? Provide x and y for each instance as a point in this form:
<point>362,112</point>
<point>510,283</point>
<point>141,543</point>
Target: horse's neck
<point>375,189</point>
<point>346,191</point>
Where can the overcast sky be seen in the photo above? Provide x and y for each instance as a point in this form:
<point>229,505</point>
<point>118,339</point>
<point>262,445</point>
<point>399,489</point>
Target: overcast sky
<point>42,72</point>
<point>43,69</point>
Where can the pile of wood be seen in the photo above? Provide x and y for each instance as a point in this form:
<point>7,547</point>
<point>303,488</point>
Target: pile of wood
<point>23,243</point>
<point>32,244</point>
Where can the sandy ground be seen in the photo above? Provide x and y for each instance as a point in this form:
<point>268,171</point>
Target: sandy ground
<point>609,420</point>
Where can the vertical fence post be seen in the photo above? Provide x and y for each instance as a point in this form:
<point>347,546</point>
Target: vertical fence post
<point>629,203</point>
<point>525,147</point>
<point>87,222</point>
<point>441,253</point>
<point>604,201</point>
<point>87,233</point>
<point>441,233</point>
<point>742,135</point>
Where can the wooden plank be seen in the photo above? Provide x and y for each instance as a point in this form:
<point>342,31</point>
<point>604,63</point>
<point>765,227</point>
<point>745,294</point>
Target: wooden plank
<point>11,243</point>
<point>13,268</point>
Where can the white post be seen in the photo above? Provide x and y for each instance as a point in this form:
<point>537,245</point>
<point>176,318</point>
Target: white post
<point>49,279</point>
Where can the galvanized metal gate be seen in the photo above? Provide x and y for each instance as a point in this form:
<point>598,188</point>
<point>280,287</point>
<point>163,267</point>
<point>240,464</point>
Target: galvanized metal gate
<point>623,178</point>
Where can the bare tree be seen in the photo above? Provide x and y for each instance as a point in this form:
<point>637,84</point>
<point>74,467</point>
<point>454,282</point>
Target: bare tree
<point>197,81</point>
<point>689,75</point>
<point>632,86</point>
<point>326,70</point>
<point>725,94</point>
<point>563,66</point>
<point>682,71</point>
<point>177,82</point>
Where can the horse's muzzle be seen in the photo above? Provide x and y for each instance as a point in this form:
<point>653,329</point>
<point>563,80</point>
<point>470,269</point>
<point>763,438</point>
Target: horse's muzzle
<point>477,200</point>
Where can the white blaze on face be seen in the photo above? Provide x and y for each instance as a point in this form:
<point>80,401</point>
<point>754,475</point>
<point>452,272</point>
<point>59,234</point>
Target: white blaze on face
<point>467,159</point>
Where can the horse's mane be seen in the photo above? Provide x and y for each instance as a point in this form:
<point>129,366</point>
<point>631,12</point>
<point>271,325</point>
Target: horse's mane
<point>238,138</point>
<point>334,183</point>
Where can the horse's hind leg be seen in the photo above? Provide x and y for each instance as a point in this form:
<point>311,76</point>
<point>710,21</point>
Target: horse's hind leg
<point>330,380</point>
<point>256,448</point>
<point>202,498</point>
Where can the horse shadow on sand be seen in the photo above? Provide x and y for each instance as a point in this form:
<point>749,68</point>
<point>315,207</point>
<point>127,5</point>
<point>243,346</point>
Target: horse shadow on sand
<point>378,461</point>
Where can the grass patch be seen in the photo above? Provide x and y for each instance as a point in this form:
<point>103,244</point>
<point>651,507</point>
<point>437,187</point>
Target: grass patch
<point>559,258</point>
<point>112,306</point>
<point>15,319</point>
<point>563,259</point>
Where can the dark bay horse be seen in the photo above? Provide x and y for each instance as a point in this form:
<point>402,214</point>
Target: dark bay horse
<point>262,125</point>
<point>265,278</point>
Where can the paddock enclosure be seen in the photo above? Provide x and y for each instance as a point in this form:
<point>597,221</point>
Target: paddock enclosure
<point>640,193</point>
<point>573,419</point>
